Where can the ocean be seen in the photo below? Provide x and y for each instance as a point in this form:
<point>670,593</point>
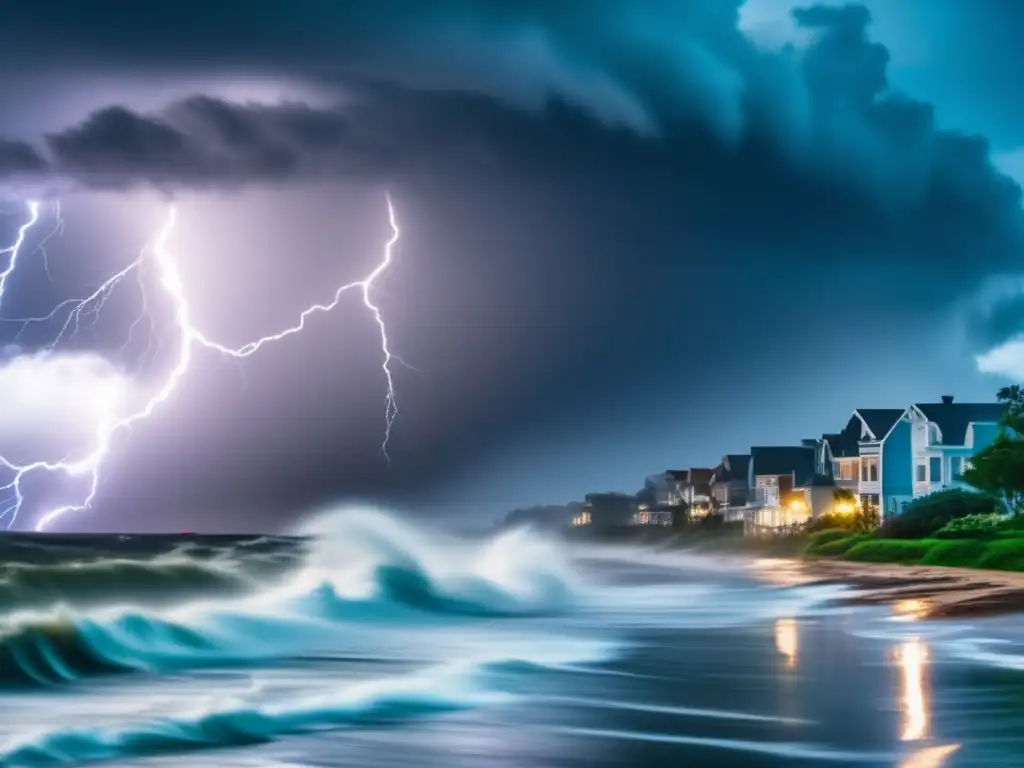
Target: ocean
<point>369,641</point>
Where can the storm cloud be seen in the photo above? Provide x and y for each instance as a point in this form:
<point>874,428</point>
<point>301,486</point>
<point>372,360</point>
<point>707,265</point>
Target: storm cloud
<point>710,111</point>
<point>624,208</point>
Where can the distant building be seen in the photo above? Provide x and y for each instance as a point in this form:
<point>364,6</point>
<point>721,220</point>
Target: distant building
<point>729,486</point>
<point>778,479</point>
<point>943,437</point>
<point>608,510</point>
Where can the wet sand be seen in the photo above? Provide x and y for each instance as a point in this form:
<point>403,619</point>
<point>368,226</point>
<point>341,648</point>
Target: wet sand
<point>925,592</point>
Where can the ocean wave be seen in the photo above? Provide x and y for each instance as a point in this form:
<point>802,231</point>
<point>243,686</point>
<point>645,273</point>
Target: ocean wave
<point>242,722</point>
<point>88,582</point>
<point>368,569</point>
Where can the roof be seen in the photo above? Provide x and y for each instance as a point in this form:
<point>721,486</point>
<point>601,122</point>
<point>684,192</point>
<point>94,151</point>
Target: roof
<point>733,467</point>
<point>952,418</point>
<point>678,474</point>
<point>845,444</point>
<point>880,420</point>
<point>700,475</point>
<point>738,464</point>
<point>784,460</point>
<point>818,481</point>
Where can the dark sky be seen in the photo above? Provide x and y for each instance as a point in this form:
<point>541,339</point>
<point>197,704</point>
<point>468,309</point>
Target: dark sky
<point>634,235</point>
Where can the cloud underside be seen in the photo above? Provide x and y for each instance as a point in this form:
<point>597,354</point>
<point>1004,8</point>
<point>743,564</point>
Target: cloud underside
<point>53,404</point>
<point>668,98</point>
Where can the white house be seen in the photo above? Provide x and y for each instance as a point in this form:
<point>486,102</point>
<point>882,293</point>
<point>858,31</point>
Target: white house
<point>883,450</point>
<point>943,436</point>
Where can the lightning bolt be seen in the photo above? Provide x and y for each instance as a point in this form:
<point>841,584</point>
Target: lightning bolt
<point>190,337</point>
<point>14,250</point>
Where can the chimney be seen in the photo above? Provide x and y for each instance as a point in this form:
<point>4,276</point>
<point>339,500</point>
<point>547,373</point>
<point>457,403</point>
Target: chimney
<point>947,399</point>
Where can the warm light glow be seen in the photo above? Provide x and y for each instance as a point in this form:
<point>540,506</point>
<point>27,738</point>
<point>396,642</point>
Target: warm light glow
<point>844,508</point>
<point>786,640</point>
<point>910,609</point>
<point>798,505</point>
<point>912,657</point>
<point>930,757</point>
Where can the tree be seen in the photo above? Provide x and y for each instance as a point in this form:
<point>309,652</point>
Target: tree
<point>998,469</point>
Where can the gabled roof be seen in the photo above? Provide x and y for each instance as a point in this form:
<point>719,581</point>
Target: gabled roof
<point>839,447</point>
<point>784,460</point>
<point>952,418</point>
<point>737,464</point>
<point>700,475</point>
<point>879,420</point>
<point>678,474</point>
<point>734,466</point>
<point>845,444</point>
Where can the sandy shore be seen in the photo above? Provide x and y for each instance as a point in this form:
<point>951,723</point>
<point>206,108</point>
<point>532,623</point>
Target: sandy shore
<point>926,592</point>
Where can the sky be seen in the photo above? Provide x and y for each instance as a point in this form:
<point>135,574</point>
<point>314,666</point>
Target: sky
<point>633,236</point>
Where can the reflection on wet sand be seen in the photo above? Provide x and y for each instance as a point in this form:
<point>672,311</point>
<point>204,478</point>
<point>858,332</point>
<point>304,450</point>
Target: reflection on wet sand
<point>911,610</point>
<point>912,658</point>
<point>786,640</point>
<point>930,757</point>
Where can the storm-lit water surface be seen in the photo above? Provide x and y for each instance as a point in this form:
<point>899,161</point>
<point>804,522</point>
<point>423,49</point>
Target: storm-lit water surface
<point>373,644</point>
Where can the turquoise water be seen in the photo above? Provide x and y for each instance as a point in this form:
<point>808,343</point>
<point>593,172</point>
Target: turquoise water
<point>374,643</point>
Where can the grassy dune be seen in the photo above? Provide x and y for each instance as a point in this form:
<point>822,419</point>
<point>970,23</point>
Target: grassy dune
<point>1003,554</point>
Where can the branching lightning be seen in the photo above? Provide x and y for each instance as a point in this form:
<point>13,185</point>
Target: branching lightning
<point>87,310</point>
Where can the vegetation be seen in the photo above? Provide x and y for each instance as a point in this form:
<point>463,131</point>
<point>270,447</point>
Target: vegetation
<point>973,527</point>
<point>929,514</point>
<point>998,469</point>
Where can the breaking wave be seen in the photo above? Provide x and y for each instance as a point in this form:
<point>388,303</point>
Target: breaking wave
<point>364,568</point>
<point>242,723</point>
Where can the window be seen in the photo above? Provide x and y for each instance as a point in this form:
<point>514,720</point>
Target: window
<point>873,471</point>
<point>922,477</point>
<point>956,467</point>
<point>869,469</point>
<point>935,469</point>
<point>864,471</point>
<point>847,470</point>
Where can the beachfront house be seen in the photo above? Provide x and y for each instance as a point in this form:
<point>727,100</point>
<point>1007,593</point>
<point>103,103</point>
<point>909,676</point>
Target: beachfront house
<point>654,506</point>
<point>839,456</point>
<point>609,510</point>
<point>729,485</point>
<point>696,492</point>
<point>943,436</point>
<point>883,445</point>
<point>778,477</point>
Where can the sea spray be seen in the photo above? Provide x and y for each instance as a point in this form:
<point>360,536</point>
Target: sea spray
<point>363,568</point>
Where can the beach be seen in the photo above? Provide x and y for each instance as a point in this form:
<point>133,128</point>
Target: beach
<point>924,592</point>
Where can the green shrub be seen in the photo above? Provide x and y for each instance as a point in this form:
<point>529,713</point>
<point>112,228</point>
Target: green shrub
<point>832,522</point>
<point>864,521</point>
<point>964,553</point>
<point>889,551</point>
<point>838,547</point>
<point>928,514</point>
<point>1003,555</point>
<point>972,527</point>
<point>815,540</point>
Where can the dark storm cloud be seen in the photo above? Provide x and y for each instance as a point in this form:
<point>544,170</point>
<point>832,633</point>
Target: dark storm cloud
<point>591,190</point>
<point>827,113</point>
<point>997,322</point>
<point>18,158</point>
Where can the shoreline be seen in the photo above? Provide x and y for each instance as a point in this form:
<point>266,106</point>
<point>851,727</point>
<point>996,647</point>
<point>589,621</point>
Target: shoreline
<point>919,591</point>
